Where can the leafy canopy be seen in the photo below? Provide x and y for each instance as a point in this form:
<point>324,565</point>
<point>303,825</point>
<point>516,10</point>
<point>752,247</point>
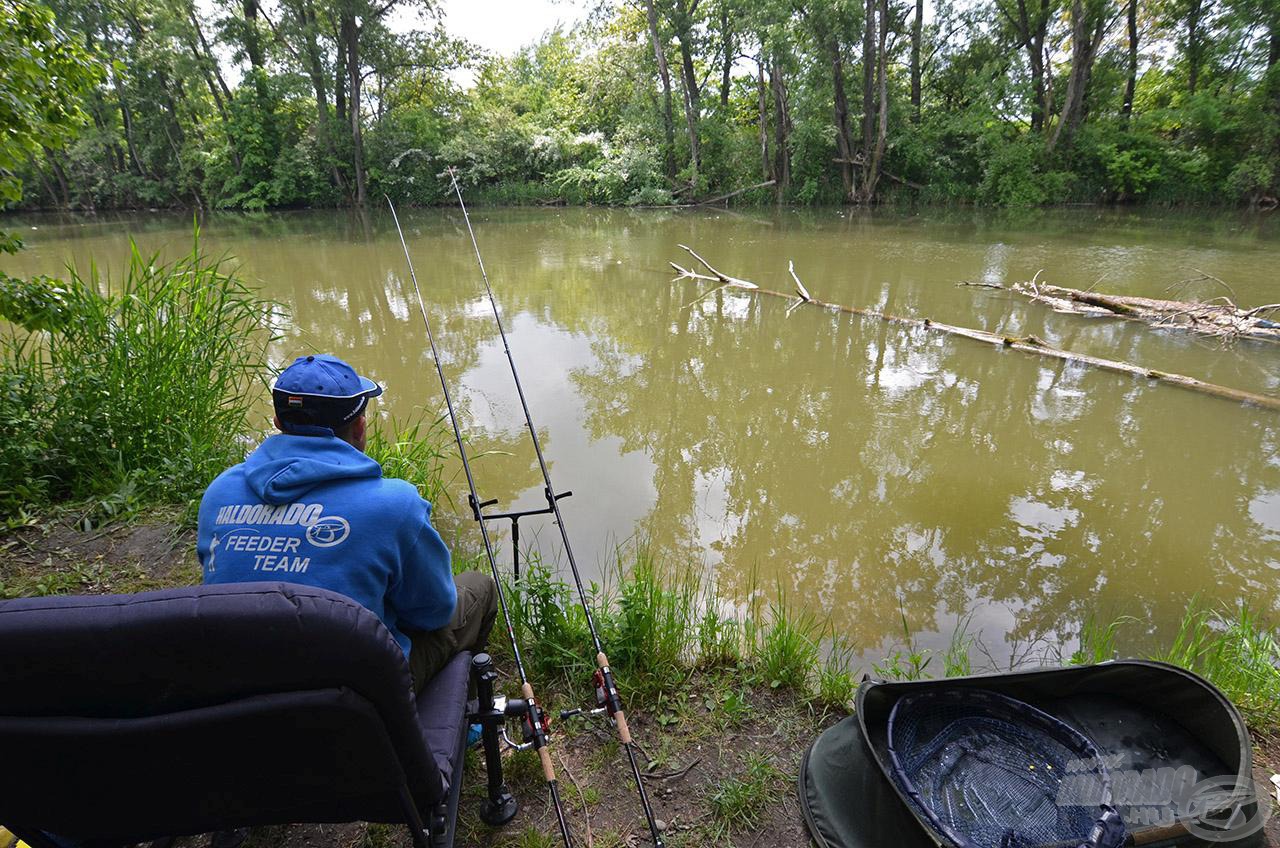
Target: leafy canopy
<point>43,77</point>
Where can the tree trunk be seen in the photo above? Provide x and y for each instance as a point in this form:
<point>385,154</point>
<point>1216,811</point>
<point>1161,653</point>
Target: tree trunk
<point>917,31</point>
<point>664,74</point>
<point>763,102</point>
<point>1273,68</point>
<point>726,56</point>
<point>871,173</point>
<point>844,144</point>
<point>351,46</point>
<point>781,127</point>
<point>1194,47</point>
<point>1037,32</point>
<point>1131,80</point>
<point>692,96</point>
<point>115,156</point>
<point>213,62</point>
<point>44,181</point>
<point>340,80</point>
<point>1273,53</point>
<point>868,77</point>
<point>208,65</point>
<point>252,41</point>
<point>1087,30</point>
<point>1032,31</point>
<point>64,189</point>
<point>125,115</point>
<point>306,15</point>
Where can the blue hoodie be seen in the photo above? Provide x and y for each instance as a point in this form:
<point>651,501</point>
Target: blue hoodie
<point>316,511</point>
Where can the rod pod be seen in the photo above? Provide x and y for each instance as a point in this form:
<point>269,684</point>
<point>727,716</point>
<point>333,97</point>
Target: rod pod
<point>535,719</point>
<point>606,687</point>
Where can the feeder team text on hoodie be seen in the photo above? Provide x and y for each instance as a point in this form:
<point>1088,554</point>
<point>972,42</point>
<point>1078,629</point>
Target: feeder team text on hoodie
<point>316,511</point>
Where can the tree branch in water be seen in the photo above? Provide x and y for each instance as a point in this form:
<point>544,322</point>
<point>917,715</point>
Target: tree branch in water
<point>1026,344</point>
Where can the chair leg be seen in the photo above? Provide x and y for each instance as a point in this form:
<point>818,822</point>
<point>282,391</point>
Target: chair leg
<point>500,807</point>
<point>417,830</point>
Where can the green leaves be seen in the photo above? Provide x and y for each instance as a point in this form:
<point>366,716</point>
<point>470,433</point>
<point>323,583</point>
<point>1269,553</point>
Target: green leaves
<point>43,75</point>
<point>40,303</point>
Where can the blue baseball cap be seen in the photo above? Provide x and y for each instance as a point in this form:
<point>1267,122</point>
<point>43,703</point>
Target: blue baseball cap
<point>319,393</point>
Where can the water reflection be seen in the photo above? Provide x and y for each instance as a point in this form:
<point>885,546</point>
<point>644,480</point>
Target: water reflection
<point>870,471</point>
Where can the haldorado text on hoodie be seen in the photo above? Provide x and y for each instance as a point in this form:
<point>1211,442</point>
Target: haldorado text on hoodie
<point>316,511</point>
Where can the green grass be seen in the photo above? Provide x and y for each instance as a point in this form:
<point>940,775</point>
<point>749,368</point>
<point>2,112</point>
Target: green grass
<point>138,386</point>
<point>739,801</point>
<point>415,450</point>
<point>1097,640</point>
<point>836,681</point>
<point>787,653</point>
<point>1235,651</point>
<point>647,622</point>
<point>662,623</point>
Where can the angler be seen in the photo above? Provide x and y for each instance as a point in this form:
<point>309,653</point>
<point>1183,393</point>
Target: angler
<point>607,698</point>
<point>493,711</point>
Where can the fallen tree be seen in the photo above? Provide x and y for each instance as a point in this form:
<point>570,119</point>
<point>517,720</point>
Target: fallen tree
<point>1216,317</point>
<point>1026,344</point>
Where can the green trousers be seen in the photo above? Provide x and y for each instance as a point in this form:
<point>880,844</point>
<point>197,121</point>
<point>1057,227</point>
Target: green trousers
<point>468,630</point>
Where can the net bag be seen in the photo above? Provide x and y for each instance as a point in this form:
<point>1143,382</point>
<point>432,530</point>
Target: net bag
<point>988,771</point>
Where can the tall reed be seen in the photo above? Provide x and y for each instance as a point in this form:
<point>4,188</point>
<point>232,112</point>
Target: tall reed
<point>1238,653</point>
<point>146,380</point>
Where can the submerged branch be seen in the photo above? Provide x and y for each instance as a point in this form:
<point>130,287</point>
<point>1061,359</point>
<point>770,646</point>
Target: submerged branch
<point>1216,317</point>
<point>724,278</point>
<point>1026,344</point>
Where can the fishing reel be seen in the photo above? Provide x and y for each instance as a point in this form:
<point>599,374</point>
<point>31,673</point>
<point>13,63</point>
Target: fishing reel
<point>495,711</point>
<point>607,700</point>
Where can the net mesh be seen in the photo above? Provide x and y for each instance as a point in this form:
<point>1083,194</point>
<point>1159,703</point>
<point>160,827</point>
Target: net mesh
<point>992,772</point>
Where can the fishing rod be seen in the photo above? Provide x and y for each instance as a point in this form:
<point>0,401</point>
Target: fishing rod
<point>502,806</point>
<point>607,698</point>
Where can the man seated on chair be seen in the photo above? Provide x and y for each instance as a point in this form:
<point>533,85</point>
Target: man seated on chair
<point>308,506</point>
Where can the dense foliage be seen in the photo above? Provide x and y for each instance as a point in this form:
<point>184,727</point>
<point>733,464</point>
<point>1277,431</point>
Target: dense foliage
<point>138,388</point>
<point>1003,102</point>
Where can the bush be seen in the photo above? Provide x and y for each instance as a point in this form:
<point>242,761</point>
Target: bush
<point>145,383</point>
<point>1251,179</point>
<point>1015,174</point>
<point>1131,172</point>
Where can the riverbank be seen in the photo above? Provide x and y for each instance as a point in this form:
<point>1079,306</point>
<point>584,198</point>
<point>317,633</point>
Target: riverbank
<point>723,710</point>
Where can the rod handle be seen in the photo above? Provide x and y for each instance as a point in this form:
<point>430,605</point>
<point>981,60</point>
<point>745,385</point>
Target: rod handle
<point>624,732</point>
<point>619,716</point>
<point>548,770</point>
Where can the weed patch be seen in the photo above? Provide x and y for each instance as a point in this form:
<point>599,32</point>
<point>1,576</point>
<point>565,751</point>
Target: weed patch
<point>130,389</point>
<point>740,801</point>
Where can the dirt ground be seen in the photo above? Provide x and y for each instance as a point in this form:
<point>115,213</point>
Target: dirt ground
<point>720,761</point>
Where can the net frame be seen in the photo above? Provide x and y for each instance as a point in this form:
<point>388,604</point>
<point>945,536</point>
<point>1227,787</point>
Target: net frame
<point>1040,731</point>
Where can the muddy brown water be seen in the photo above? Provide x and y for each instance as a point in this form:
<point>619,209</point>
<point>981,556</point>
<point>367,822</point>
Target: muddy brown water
<point>872,473</point>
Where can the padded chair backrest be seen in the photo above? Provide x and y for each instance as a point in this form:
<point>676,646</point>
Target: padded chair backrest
<point>196,709</point>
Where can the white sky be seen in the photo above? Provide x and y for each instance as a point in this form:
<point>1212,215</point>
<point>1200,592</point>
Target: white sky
<point>504,26</point>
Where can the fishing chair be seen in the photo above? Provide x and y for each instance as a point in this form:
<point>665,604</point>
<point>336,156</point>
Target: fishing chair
<point>127,718</point>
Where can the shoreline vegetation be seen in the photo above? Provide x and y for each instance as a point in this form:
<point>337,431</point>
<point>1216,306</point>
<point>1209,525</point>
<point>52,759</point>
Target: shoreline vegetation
<point>121,393</point>
<point>316,103</point>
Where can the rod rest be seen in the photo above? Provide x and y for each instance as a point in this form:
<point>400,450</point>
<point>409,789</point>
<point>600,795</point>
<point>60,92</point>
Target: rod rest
<point>491,714</point>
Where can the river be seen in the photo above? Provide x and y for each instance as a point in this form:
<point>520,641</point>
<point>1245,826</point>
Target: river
<point>875,474</point>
